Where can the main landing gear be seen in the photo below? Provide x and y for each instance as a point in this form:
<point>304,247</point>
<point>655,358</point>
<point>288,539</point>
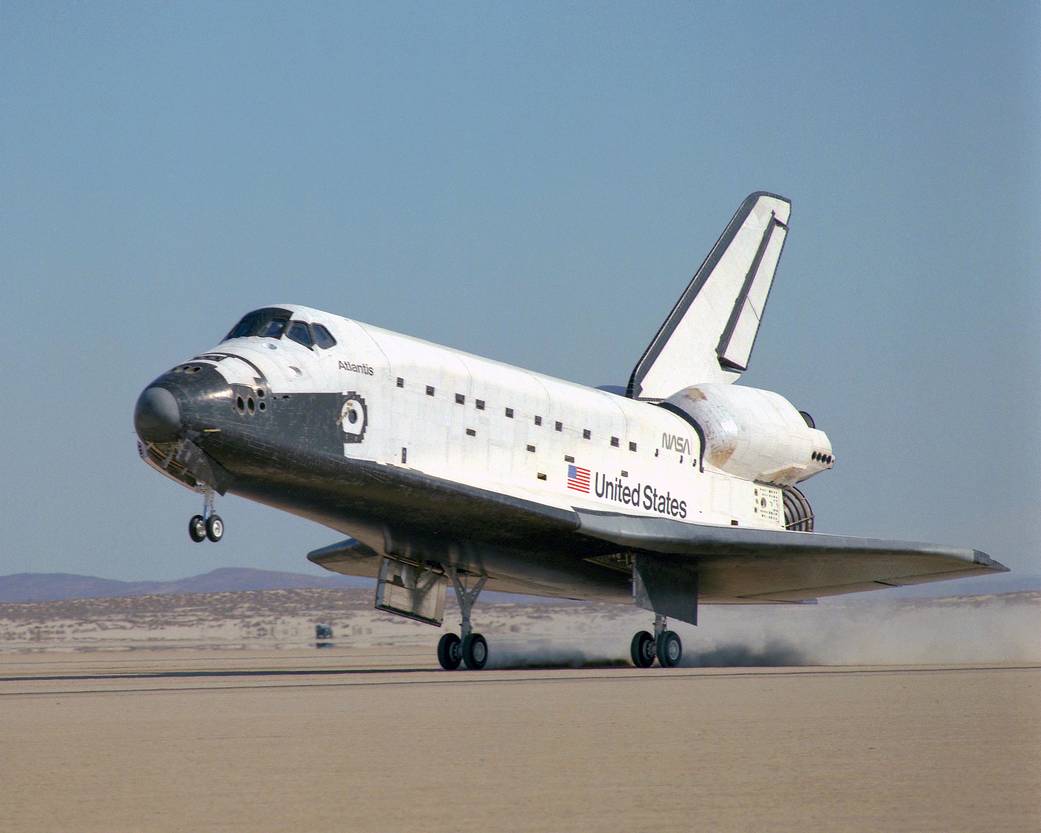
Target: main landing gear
<point>209,523</point>
<point>472,649</point>
<point>664,645</point>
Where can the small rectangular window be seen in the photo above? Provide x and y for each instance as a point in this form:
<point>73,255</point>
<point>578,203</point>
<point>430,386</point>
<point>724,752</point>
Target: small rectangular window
<point>404,455</point>
<point>614,442</point>
<point>625,473</point>
<point>460,399</point>
<point>401,382</point>
<point>542,476</point>
<point>531,448</point>
<point>430,390</point>
<point>559,426</point>
<point>470,432</point>
<point>509,413</point>
<point>587,434</point>
<point>632,446</point>
<point>568,458</point>
<point>480,404</point>
<point>538,420</point>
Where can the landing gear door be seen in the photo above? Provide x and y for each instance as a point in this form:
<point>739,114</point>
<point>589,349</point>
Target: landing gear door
<point>411,591</point>
<point>666,588</point>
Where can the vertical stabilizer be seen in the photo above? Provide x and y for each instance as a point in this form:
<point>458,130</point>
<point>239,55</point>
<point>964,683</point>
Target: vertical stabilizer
<point>709,335</point>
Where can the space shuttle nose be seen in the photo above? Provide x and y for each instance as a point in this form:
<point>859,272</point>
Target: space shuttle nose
<point>157,417</point>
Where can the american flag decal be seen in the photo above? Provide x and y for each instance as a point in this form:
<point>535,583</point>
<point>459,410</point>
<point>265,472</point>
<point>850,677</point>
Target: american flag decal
<point>578,479</point>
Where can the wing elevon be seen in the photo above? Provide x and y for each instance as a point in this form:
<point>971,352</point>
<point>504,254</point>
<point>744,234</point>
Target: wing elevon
<point>741,564</point>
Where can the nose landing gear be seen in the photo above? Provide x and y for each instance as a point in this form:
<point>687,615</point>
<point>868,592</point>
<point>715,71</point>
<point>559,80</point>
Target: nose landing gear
<point>207,525</point>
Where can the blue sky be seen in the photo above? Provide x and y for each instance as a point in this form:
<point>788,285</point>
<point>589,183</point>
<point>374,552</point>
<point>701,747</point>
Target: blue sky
<point>535,183</point>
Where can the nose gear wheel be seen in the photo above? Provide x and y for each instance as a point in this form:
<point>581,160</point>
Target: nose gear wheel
<point>208,525</point>
<point>214,528</point>
<point>197,528</point>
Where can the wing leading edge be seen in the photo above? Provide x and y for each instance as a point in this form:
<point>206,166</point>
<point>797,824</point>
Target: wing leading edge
<point>743,565</point>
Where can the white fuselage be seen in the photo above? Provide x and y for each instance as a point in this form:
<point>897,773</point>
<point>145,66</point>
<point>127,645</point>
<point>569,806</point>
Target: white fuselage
<point>500,428</point>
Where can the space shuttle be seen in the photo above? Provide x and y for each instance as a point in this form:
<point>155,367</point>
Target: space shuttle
<point>451,472</point>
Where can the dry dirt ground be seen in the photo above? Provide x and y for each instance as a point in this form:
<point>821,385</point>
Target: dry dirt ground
<point>225,728</point>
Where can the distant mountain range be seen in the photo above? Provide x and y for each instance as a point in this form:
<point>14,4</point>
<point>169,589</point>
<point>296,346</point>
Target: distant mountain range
<point>48,587</point>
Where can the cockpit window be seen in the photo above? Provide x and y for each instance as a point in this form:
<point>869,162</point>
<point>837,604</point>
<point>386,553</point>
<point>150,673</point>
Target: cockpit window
<point>273,328</point>
<point>300,333</point>
<point>269,322</point>
<point>322,337</point>
<point>272,322</point>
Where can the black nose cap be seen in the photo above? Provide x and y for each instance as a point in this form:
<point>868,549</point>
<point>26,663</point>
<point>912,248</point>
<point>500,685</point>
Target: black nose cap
<point>157,417</point>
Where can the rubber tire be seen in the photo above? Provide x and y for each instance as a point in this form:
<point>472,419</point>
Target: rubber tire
<point>475,652</point>
<point>214,528</point>
<point>197,529</point>
<point>669,649</point>
<point>450,651</point>
<point>642,650</point>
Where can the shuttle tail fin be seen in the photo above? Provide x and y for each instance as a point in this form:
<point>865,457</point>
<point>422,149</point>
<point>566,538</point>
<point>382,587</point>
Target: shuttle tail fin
<point>709,335</point>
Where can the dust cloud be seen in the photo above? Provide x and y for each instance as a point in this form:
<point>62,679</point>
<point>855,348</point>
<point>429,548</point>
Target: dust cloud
<point>975,629</point>
<point>999,629</point>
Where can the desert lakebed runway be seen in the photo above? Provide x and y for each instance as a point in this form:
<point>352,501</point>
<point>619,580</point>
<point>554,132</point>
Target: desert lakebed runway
<point>215,712</point>
<point>347,739</point>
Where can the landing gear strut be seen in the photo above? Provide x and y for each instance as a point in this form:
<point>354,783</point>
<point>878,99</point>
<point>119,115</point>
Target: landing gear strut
<point>207,525</point>
<point>665,645</point>
<point>472,649</point>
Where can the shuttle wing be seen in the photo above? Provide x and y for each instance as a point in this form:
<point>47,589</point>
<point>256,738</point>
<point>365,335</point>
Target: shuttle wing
<point>735,564</point>
<point>709,335</point>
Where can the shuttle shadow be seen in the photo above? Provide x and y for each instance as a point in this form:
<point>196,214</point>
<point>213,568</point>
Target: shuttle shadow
<point>773,654</point>
<point>553,664</point>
